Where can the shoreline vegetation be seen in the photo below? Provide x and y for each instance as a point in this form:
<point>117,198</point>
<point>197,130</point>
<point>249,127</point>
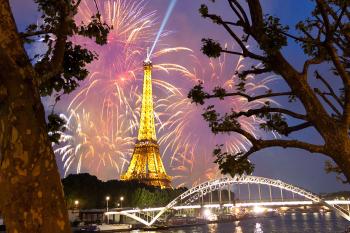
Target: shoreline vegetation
<point>92,192</point>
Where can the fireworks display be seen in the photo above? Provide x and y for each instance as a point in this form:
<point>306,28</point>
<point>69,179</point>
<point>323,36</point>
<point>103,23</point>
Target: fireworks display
<point>103,114</point>
<point>188,138</point>
<point>84,145</point>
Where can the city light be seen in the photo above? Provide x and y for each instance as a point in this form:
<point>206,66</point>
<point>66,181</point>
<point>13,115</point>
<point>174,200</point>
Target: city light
<point>107,199</point>
<point>121,201</point>
<point>259,209</point>
<point>258,228</point>
<point>207,213</point>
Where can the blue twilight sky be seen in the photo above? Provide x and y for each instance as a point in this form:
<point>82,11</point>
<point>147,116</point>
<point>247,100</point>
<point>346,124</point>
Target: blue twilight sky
<point>294,166</point>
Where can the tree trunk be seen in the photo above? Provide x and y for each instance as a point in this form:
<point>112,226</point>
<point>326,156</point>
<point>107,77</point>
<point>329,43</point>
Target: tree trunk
<point>31,196</point>
<point>339,150</point>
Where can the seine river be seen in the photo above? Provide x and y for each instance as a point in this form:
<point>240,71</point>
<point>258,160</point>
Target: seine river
<point>290,223</point>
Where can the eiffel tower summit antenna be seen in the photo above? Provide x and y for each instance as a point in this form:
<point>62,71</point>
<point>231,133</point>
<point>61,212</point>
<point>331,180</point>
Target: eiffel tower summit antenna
<point>148,57</point>
<point>146,164</point>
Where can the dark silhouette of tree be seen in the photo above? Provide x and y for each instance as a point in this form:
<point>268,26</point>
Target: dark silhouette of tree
<point>91,193</point>
<point>31,197</point>
<point>324,37</point>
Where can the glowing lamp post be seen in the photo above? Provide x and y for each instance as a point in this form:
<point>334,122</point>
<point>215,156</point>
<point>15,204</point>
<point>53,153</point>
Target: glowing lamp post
<point>76,204</point>
<point>107,199</point>
<point>121,201</point>
<point>76,207</point>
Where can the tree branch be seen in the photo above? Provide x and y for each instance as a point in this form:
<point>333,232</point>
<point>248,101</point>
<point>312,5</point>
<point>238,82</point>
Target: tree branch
<point>245,52</point>
<point>311,38</point>
<point>236,11</point>
<point>62,32</point>
<point>312,61</point>
<point>295,128</point>
<point>232,52</point>
<point>232,23</point>
<point>328,102</point>
<point>300,39</point>
<point>330,89</point>
<point>255,71</point>
<point>345,76</point>
<point>53,66</point>
<point>324,39</point>
<point>338,20</point>
<point>34,33</point>
<point>251,98</point>
<point>295,80</point>
<point>341,70</point>
<point>264,110</point>
<point>239,6</point>
<point>261,144</point>
<point>239,163</point>
<point>321,7</point>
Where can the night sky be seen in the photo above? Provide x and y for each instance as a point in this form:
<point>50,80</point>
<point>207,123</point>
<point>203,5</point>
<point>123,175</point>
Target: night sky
<point>293,166</point>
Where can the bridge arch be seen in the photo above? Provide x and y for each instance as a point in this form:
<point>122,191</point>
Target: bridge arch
<point>210,186</point>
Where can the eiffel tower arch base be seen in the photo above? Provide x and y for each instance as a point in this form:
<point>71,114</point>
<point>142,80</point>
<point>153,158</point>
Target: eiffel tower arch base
<point>146,166</point>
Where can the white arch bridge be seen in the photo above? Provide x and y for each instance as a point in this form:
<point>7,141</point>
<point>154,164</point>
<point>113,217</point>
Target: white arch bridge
<point>206,189</point>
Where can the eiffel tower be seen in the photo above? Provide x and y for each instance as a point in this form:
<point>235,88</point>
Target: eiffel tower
<point>146,165</point>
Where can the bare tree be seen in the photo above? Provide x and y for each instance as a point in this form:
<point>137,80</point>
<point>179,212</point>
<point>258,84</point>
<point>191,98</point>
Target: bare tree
<point>31,196</point>
<point>324,38</point>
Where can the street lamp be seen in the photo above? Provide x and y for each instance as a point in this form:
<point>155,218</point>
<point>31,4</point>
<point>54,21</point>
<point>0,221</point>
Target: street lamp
<point>118,205</point>
<point>121,201</point>
<point>76,211</point>
<point>107,199</point>
<point>76,204</point>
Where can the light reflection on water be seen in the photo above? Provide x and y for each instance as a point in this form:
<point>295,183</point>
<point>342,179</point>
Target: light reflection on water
<point>289,223</point>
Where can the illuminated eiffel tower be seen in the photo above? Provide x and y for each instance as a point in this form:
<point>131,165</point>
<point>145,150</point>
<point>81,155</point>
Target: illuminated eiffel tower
<point>146,165</point>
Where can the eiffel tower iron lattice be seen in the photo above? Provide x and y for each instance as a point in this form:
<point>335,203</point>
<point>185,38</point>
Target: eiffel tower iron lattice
<point>146,165</point>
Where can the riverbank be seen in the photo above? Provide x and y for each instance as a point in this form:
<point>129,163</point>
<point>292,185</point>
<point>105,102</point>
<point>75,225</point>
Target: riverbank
<point>185,223</point>
<point>288,223</point>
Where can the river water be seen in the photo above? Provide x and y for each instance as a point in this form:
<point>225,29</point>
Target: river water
<point>289,223</point>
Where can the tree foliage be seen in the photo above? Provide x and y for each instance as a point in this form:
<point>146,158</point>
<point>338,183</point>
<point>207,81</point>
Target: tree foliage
<point>91,193</point>
<point>63,65</point>
<point>324,37</point>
